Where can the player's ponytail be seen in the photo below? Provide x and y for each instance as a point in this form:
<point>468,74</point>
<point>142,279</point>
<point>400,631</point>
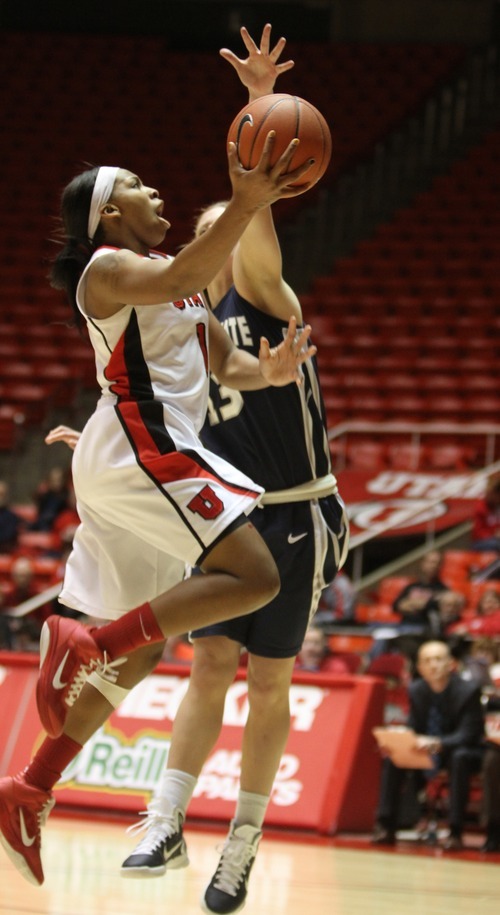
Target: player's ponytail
<point>77,248</point>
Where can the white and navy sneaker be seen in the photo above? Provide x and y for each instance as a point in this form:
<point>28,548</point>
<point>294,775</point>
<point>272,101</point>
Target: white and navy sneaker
<point>162,847</point>
<point>227,890</point>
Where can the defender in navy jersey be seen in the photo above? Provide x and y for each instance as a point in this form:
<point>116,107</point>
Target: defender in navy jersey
<point>277,436</point>
<point>280,439</point>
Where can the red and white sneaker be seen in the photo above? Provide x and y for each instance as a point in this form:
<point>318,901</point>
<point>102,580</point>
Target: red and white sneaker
<point>23,811</point>
<point>68,655</point>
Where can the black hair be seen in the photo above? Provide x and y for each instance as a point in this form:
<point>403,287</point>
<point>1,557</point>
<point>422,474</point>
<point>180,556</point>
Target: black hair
<point>69,264</point>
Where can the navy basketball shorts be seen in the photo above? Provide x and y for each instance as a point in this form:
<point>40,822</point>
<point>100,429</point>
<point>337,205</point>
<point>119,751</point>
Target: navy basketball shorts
<point>309,543</point>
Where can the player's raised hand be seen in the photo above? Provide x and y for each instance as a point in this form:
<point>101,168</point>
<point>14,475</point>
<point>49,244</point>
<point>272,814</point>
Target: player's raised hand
<point>265,181</point>
<point>63,434</point>
<point>280,365</point>
<point>260,70</point>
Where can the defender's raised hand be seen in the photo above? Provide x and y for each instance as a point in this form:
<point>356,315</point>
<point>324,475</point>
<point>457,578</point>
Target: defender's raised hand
<point>261,69</point>
<point>281,364</point>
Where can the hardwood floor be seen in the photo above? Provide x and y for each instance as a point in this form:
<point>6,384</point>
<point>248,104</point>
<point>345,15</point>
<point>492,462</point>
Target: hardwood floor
<point>82,859</point>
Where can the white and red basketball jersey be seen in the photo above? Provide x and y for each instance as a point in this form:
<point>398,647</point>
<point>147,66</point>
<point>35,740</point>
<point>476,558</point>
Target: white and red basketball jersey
<point>153,352</point>
<point>150,496</point>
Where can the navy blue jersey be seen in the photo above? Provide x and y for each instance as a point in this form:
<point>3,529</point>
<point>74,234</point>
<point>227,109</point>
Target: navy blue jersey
<point>276,435</point>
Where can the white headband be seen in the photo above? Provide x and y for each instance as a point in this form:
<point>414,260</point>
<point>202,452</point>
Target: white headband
<point>103,188</point>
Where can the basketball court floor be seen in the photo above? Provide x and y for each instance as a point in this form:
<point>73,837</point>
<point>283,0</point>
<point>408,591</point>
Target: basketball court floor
<point>290,877</point>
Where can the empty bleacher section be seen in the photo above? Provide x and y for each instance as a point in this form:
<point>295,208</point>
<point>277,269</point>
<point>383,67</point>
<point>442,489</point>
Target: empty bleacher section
<point>75,99</point>
<point>407,323</point>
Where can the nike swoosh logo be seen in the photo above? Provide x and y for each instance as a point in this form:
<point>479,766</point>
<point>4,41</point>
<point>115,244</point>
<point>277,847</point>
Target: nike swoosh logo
<point>146,636</point>
<point>172,851</point>
<point>57,683</point>
<point>246,119</point>
<point>26,839</point>
<point>292,538</point>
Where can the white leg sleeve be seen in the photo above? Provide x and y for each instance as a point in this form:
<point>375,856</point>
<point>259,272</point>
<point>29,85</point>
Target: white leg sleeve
<point>114,694</point>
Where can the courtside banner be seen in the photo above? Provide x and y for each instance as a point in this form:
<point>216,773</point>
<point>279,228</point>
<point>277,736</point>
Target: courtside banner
<point>387,496</point>
<point>327,780</point>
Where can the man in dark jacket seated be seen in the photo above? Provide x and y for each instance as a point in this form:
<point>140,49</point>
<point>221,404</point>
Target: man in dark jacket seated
<point>447,717</point>
<point>491,776</point>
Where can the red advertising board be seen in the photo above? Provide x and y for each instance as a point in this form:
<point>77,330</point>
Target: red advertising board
<point>327,780</point>
<point>386,497</point>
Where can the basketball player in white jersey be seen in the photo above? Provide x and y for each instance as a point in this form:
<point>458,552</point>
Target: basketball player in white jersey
<point>150,496</point>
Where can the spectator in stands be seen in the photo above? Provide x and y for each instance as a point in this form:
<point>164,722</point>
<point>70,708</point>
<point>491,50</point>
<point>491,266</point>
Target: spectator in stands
<point>10,523</point>
<point>480,656</point>
<point>6,640</point>
<point>26,634</point>
<point>495,669</point>
<point>418,608</point>
<point>491,783</point>
<point>486,620</point>
<point>22,587</point>
<point>51,499</point>
<point>491,797</point>
<point>67,521</point>
<point>450,607</point>
<point>337,603</point>
<point>447,717</point>
<point>316,657</point>
<point>418,599</point>
<point>485,535</point>
<point>394,669</point>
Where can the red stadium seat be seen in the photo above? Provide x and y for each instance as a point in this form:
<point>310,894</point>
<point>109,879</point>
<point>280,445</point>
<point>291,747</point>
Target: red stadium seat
<point>6,563</point>
<point>403,406</point>
<point>405,456</point>
<point>404,382</point>
<point>377,613</point>
<point>482,408</point>
<point>15,370</point>
<point>366,456</point>
<point>45,568</point>
<point>37,542</point>
<point>367,406</point>
<point>445,406</point>
<point>476,589</point>
<point>362,382</point>
<point>32,400</point>
<point>450,457</point>
<point>460,565</point>
<point>347,643</point>
<point>63,382</point>
<point>390,587</point>
<point>440,382</point>
<point>11,426</point>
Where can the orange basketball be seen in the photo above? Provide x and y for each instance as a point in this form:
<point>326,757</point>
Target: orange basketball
<point>290,116</point>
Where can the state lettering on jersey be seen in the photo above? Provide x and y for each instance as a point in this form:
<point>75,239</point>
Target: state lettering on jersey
<point>239,331</point>
<point>206,503</point>
<point>194,301</point>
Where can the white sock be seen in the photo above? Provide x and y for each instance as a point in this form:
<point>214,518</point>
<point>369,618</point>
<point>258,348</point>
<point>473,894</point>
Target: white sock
<point>177,787</point>
<point>250,809</point>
